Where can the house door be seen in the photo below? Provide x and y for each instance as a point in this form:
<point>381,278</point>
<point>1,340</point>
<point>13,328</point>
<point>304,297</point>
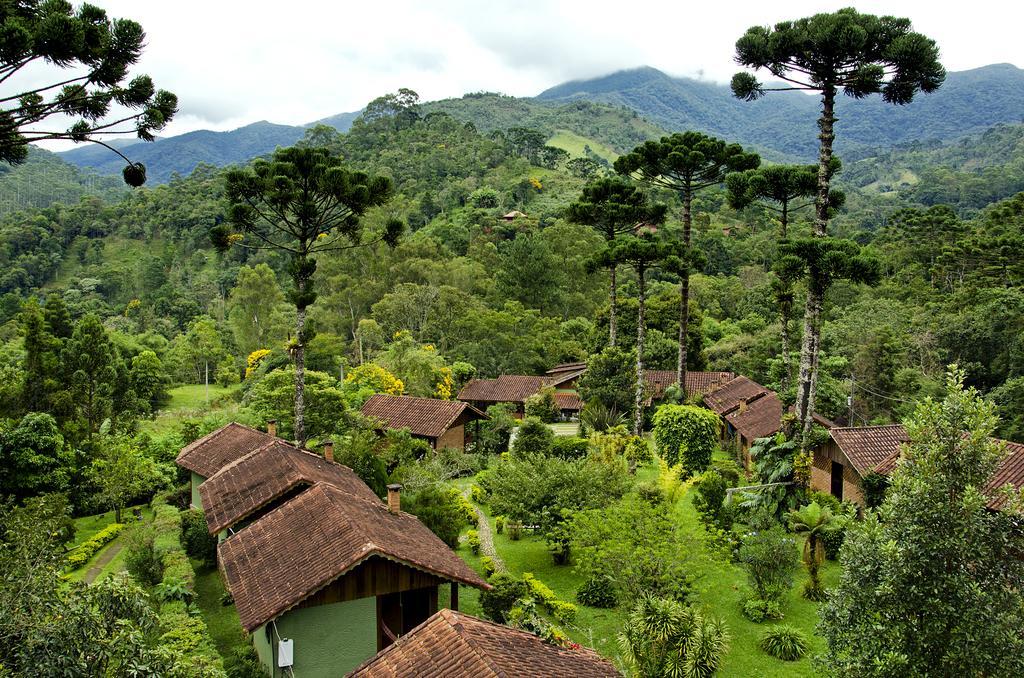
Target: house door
<point>837,480</point>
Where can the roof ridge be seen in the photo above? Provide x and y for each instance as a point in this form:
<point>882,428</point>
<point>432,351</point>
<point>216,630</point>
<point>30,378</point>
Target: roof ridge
<point>236,462</point>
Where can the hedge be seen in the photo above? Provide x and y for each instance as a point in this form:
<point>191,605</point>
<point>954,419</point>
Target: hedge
<point>185,634</point>
<point>87,549</point>
<point>562,611</point>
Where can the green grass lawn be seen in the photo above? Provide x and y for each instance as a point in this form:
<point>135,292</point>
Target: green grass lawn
<point>565,428</point>
<point>720,589</point>
<point>222,620</point>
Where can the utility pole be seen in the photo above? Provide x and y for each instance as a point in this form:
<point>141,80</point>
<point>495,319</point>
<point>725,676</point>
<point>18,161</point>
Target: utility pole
<point>206,365</point>
<point>849,401</point>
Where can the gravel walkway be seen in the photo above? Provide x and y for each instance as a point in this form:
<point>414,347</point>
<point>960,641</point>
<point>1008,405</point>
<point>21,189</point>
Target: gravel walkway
<point>483,528</point>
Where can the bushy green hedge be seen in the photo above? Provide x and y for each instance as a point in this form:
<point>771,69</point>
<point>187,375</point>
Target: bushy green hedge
<point>185,634</point>
<point>81,555</point>
<point>562,611</point>
<point>569,447</point>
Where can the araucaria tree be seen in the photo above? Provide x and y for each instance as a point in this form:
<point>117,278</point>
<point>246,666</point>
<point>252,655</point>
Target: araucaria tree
<point>99,50</point>
<point>302,202</point>
<point>613,207</point>
<point>932,583</point>
<point>641,253</point>
<point>782,189</point>
<point>686,163</point>
<point>859,54</point>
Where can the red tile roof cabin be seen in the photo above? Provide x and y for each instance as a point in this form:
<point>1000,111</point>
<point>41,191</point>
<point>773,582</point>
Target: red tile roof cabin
<point>272,472</point>
<point>313,539</point>
<point>455,645</point>
<point>878,449</point>
<point>428,417</point>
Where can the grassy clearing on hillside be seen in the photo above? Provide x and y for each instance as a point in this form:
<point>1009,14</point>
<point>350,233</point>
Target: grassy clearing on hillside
<point>573,144</point>
<point>87,526</point>
<point>721,587</point>
<point>191,400</point>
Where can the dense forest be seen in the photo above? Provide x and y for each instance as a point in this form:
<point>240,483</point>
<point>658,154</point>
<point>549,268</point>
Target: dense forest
<point>415,247</point>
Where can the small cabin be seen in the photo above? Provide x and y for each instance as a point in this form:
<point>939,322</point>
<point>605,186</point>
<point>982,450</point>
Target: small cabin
<point>442,423</point>
<point>329,578</point>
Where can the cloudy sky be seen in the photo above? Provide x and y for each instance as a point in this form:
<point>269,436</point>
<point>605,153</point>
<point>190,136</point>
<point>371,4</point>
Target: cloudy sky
<point>233,62</point>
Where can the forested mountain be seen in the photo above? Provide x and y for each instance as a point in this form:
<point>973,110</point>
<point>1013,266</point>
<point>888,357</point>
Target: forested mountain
<point>615,112</point>
<point>968,101</point>
<point>45,179</point>
<point>184,152</point>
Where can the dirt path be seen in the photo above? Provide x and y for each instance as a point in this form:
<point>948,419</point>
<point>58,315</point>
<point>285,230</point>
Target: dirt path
<point>103,561</point>
<point>483,528</point>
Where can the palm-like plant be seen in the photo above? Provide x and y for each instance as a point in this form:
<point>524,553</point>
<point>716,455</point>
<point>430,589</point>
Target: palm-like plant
<point>814,521</point>
<point>663,637</point>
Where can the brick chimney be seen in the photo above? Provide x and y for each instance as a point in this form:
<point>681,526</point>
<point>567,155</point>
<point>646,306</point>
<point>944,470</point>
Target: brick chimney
<point>329,450</point>
<point>395,498</point>
<point>272,427</point>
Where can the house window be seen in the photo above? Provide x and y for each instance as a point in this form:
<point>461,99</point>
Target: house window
<point>837,480</point>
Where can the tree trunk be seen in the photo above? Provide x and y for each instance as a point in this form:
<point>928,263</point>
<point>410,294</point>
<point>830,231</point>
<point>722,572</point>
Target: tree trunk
<point>684,294</point>
<point>641,334</point>
<point>815,292</point>
<point>612,324</point>
<point>117,514</point>
<point>785,309</point>
<point>300,365</point>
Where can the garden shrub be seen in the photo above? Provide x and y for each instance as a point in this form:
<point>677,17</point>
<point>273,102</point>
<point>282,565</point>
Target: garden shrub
<point>87,549</point>
<point>729,470</point>
<point>487,563</point>
<point>473,540</point>
<point>505,592</point>
<point>638,451</point>
<point>710,501</point>
<point>533,437</point>
<point>499,524</point>
<point>874,485</point>
<point>686,435</point>
<point>542,405</point>
<point>443,511</point>
<point>597,591</point>
<point>196,537</point>
<point>650,492</point>
<point>570,447</point>
<point>562,611</point>
<point>477,494</point>
<point>758,610</point>
<point>245,663</point>
<point>770,559</point>
<point>515,530</point>
<point>784,642</point>
<point>140,559</point>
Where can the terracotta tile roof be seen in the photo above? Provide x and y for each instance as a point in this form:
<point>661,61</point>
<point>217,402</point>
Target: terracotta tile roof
<point>697,383</point>
<point>729,395</point>
<point>306,543</point>
<point>878,449</point>
<point>215,450</point>
<point>267,474</point>
<point>455,645</point>
<point>867,447</point>
<point>562,377</point>
<point>569,401</point>
<point>567,367</point>
<point>1010,471</point>
<point>757,417</point>
<point>508,388</point>
<point>428,417</point>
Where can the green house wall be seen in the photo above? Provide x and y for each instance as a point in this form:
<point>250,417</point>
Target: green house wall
<point>197,480</point>
<point>330,640</point>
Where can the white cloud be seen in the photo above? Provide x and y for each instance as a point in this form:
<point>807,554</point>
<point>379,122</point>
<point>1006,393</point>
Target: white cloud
<point>235,62</point>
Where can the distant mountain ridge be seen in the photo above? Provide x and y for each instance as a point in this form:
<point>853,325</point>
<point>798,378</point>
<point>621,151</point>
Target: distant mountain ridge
<point>626,107</point>
<point>969,101</point>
